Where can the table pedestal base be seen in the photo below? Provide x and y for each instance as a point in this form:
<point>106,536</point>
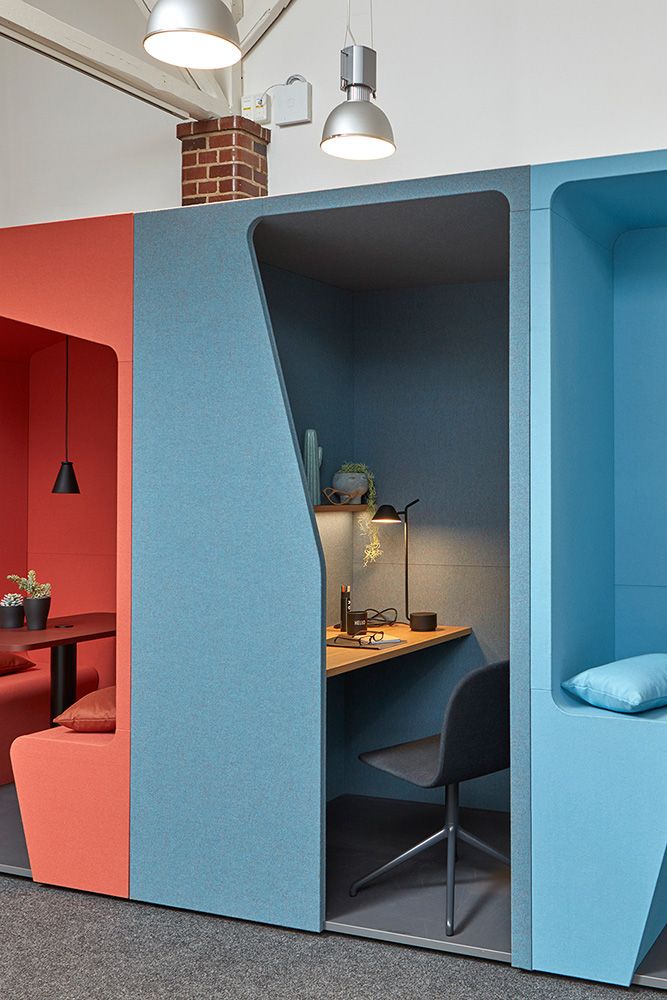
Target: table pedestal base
<point>63,678</point>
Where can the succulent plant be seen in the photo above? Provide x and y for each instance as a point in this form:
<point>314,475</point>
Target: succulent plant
<point>29,585</point>
<point>11,601</point>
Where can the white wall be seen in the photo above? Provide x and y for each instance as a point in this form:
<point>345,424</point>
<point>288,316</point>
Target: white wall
<point>71,146</point>
<point>467,86</point>
<point>474,85</point>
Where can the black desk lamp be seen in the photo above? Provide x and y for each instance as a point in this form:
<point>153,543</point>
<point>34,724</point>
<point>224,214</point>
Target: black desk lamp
<point>419,621</point>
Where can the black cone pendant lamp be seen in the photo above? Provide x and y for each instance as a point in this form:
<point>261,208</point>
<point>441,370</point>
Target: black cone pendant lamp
<point>66,478</point>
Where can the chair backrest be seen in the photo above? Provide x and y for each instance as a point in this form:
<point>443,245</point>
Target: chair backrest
<point>475,737</point>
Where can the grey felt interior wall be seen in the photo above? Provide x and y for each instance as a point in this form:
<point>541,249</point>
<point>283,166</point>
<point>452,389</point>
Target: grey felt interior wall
<point>417,380</point>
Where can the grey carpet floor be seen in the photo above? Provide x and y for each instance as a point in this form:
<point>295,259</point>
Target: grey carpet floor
<point>61,945</point>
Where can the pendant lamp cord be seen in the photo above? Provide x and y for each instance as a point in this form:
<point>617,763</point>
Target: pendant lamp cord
<point>67,399</point>
<point>348,28</point>
<point>348,25</point>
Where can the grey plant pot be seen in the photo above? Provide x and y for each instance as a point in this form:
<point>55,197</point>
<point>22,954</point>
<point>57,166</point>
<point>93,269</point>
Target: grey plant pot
<point>11,617</point>
<point>36,612</point>
<point>350,482</point>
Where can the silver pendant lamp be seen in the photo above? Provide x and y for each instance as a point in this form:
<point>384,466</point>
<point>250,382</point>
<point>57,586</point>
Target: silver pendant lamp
<point>198,34</point>
<point>357,129</point>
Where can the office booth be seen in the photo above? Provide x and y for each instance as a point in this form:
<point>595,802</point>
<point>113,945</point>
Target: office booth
<point>253,322</point>
<point>65,362</point>
<point>392,327</point>
<point>394,321</point>
<point>599,574</point>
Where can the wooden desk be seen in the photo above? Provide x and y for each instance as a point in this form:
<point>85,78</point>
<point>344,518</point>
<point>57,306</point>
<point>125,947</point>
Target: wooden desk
<point>60,636</point>
<point>345,659</point>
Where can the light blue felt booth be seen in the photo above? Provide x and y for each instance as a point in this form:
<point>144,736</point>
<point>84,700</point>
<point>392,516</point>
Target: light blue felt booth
<point>598,558</point>
<point>228,690</point>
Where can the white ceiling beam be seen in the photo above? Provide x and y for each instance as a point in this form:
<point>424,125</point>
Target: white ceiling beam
<point>38,30</point>
<point>257,20</point>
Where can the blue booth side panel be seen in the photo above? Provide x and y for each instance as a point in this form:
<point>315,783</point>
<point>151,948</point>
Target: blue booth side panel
<point>227,696</point>
<point>598,812</point>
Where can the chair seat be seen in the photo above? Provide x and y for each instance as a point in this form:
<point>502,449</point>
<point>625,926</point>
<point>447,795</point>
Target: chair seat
<point>416,761</point>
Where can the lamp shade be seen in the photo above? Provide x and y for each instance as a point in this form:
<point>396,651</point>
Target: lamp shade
<point>386,514</point>
<point>66,480</point>
<point>358,130</point>
<point>199,34</point>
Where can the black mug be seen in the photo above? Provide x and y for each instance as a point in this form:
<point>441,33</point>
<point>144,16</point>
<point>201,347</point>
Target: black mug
<point>356,623</point>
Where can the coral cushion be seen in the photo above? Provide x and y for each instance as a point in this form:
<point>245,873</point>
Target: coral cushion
<point>11,663</point>
<point>94,713</point>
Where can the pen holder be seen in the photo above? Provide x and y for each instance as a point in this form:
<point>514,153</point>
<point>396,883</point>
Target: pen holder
<point>345,604</point>
<point>356,623</point>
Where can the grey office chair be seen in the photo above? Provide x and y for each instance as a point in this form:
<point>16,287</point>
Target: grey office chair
<point>474,741</point>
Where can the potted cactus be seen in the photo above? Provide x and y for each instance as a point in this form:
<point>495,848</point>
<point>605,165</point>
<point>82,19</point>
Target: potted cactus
<point>11,611</point>
<point>37,601</point>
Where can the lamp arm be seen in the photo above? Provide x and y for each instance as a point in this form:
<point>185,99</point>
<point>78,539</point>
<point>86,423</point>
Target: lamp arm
<point>406,544</point>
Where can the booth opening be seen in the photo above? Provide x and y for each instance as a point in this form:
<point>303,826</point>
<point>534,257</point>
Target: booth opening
<point>608,300</point>
<point>391,324</point>
<point>57,393</point>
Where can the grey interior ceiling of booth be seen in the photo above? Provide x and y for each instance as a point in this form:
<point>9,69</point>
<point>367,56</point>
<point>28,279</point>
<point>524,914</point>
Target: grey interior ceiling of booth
<point>448,240</point>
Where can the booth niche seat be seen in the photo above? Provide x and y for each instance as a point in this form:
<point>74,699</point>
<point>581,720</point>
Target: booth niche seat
<point>59,773</point>
<point>25,706</point>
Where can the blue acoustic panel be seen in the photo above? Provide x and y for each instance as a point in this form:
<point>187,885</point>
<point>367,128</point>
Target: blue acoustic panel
<point>227,697</point>
<point>519,588</point>
<point>599,820</point>
<point>228,703</point>
<point>312,324</point>
<point>640,343</point>
<point>641,620</point>
<point>599,812</point>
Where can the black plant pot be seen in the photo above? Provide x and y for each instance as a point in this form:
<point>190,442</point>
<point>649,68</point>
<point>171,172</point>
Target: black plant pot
<point>36,612</point>
<point>11,617</point>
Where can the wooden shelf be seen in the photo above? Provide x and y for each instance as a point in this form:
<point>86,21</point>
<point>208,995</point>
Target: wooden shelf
<point>341,508</point>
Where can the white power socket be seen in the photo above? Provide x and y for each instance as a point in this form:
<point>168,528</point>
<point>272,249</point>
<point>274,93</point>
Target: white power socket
<point>293,103</point>
<point>256,107</point>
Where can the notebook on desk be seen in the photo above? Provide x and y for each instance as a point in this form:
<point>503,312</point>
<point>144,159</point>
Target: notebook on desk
<point>362,642</point>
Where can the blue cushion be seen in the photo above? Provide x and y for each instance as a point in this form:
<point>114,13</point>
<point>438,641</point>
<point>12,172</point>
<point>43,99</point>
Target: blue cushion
<point>633,685</point>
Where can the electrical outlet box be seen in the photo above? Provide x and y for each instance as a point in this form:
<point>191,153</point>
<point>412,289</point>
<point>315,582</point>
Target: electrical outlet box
<point>256,107</point>
<point>293,103</point>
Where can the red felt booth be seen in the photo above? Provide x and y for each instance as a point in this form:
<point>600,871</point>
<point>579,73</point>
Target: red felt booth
<point>69,280</point>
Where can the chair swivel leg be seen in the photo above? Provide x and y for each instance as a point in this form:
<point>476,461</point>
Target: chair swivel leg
<point>452,827</point>
<point>481,845</point>
<point>435,838</point>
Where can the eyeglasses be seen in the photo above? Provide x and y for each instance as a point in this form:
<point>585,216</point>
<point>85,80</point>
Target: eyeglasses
<point>356,641</point>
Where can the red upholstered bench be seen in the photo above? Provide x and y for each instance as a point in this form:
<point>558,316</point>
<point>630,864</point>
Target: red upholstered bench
<point>25,706</point>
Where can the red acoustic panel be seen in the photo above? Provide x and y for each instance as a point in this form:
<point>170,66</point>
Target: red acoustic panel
<point>76,278</point>
<point>14,464</point>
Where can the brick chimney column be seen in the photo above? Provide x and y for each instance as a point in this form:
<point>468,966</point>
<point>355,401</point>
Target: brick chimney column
<point>223,159</point>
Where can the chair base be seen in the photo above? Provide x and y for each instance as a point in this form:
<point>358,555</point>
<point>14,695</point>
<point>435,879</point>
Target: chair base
<point>451,832</point>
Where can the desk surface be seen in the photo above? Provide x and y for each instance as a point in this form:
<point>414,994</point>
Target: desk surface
<point>345,659</point>
<point>83,628</point>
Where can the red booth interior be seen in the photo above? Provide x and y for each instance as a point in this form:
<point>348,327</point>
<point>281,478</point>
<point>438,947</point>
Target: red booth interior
<point>70,540</point>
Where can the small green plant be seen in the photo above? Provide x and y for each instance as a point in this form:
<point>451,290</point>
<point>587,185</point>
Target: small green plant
<point>11,601</point>
<point>373,550</point>
<point>28,584</point>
